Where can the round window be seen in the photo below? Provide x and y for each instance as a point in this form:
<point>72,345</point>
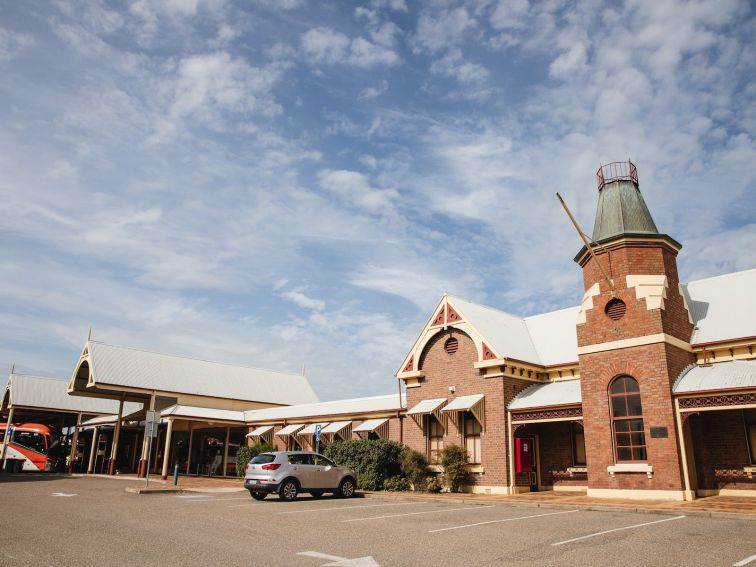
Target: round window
<point>451,345</point>
<point>615,309</point>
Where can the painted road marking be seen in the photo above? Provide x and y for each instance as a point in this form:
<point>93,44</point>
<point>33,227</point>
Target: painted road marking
<point>468,507</point>
<point>62,494</point>
<point>335,560</point>
<point>209,499</point>
<point>745,561</point>
<point>346,508</point>
<point>617,530</point>
<point>501,521</point>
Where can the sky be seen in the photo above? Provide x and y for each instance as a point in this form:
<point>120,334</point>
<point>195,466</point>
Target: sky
<point>284,183</point>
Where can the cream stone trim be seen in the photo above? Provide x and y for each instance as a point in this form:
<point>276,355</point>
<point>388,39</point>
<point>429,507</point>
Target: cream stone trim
<point>478,489</point>
<point>568,488</point>
<point>634,342</point>
<point>489,363</point>
<point>745,493</point>
<point>587,302</point>
<point>632,494</point>
<point>577,470</point>
<point>631,468</point>
<point>477,469</point>
<point>652,287</point>
<point>750,471</point>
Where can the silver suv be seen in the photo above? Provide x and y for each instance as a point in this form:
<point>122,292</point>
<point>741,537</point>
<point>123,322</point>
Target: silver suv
<point>288,473</point>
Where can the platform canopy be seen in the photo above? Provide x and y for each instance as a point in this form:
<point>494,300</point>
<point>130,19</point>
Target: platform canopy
<point>204,414</point>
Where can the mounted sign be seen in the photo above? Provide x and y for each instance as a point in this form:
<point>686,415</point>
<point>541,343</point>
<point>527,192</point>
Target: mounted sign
<point>153,416</point>
<point>317,433</point>
<point>152,428</point>
<point>659,433</point>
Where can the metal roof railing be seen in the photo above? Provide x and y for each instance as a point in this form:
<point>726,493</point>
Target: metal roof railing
<point>616,171</point>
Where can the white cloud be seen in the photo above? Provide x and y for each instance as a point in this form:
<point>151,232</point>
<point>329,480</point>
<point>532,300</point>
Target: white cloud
<point>12,43</point>
<point>354,188</point>
<point>323,45</point>
<point>471,77</point>
<point>444,29</point>
<point>299,298</point>
<point>373,92</point>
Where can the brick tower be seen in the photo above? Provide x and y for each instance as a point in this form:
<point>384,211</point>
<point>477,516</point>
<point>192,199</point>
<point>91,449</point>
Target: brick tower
<point>633,341</point>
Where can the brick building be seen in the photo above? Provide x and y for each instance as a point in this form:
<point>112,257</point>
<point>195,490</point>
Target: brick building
<point>646,390</point>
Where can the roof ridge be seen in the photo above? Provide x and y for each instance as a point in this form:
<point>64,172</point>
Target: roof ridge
<point>452,297</point>
<point>327,402</point>
<point>722,276</point>
<point>185,357</point>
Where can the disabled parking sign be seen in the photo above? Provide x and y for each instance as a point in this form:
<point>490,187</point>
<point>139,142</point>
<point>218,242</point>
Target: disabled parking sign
<point>317,433</point>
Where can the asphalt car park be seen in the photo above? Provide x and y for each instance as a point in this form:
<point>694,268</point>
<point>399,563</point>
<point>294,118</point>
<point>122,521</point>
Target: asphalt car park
<point>93,521</point>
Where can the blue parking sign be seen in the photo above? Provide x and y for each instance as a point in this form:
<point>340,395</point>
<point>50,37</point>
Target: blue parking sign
<point>317,433</point>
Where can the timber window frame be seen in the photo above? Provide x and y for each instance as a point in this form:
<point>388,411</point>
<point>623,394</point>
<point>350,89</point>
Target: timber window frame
<point>434,436</point>
<point>749,422</point>
<point>626,411</point>
<point>471,435</point>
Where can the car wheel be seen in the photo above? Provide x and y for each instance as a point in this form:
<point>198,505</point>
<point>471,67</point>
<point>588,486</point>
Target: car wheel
<point>346,488</point>
<point>288,491</point>
<point>258,495</point>
<point>316,495</point>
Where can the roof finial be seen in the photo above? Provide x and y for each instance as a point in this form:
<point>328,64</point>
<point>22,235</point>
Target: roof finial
<point>89,334</point>
<point>303,370</point>
<point>13,368</point>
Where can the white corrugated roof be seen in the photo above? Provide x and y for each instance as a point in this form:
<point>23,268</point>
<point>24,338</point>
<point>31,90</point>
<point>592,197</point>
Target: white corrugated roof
<point>370,425</point>
<point>102,420</point>
<point>290,429</point>
<point>734,375</point>
<point>463,403</point>
<point>203,413</point>
<point>334,408</point>
<point>310,429</point>
<point>427,406</point>
<point>336,427</point>
<point>723,307</point>
<point>260,431</point>
<point>563,392</point>
<point>52,394</point>
<point>554,335</point>
<point>122,366</point>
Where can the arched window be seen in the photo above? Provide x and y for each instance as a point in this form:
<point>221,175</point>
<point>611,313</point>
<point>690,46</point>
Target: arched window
<point>627,420</point>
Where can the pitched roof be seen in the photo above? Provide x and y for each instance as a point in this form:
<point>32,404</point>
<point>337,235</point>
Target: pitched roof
<point>130,367</point>
<point>563,392</point>
<point>733,375</point>
<point>334,408</point>
<point>723,307</point>
<point>52,394</point>
<point>210,414</point>
<point>546,339</point>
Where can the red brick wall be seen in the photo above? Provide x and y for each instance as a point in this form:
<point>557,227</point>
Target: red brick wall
<point>721,450</point>
<point>655,366</point>
<point>554,454</point>
<point>443,370</point>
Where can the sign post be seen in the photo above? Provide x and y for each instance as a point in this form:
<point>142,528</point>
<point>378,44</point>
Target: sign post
<point>318,427</point>
<point>152,421</point>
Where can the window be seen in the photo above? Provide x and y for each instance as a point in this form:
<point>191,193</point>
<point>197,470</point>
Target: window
<point>263,458</point>
<point>30,440</point>
<point>750,423</point>
<point>578,445</point>
<point>321,461</point>
<point>2,434</point>
<point>472,431</point>
<point>435,440</point>
<point>301,459</point>
<point>627,420</point>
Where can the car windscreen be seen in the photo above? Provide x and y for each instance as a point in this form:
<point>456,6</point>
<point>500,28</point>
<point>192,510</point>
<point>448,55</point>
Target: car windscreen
<point>263,458</point>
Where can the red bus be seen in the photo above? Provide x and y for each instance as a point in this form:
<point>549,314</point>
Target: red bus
<point>33,447</point>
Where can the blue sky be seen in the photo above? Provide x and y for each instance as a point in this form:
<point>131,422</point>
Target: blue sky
<point>279,183</point>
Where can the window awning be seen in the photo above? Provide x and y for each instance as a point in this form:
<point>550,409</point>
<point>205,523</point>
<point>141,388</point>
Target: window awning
<point>290,429</point>
<point>428,407</point>
<point>262,431</point>
<point>341,428</point>
<point>378,426</point>
<point>475,404</point>
<point>310,429</point>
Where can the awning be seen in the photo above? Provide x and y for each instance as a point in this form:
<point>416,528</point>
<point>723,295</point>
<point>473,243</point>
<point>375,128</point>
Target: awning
<point>310,429</point>
<point>262,432</point>
<point>474,404</point>
<point>290,429</point>
<point>378,426</point>
<point>732,375</point>
<point>341,428</point>
<point>560,393</point>
<point>428,407</point>
<point>97,421</point>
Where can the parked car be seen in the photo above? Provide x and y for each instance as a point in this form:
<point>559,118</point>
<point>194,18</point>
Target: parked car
<point>287,473</point>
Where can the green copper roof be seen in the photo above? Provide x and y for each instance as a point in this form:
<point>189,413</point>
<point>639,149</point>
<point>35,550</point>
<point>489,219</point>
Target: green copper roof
<point>621,210</point>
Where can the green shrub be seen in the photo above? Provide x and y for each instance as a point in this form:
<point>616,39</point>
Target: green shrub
<point>396,484</point>
<point>245,454</point>
<point>372,460</point>
<point>415,468</point>
<point>431,484</point>
<point>454,461</point>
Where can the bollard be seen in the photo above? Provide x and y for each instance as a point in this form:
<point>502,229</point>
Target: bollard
<point>175,475</point>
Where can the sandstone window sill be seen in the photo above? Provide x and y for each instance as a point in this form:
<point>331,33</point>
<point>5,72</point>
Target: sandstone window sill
<point>577,470</point>
<point>476,469</point>
<point>631,468</point>
<point>750,471</point>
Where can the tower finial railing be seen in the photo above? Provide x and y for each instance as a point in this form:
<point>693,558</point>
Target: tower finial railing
<point>616,171</point>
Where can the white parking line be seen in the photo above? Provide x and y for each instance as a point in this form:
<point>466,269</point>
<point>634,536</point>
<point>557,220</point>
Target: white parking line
<point>745,561</point>
<point>346,508</point>
<point>617,530</point>
<point>501,521</point>
<point>469,507</point>
<point>194,501</point>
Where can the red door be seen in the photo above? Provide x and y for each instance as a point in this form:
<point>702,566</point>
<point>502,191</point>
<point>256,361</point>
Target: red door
<point>525,459</point>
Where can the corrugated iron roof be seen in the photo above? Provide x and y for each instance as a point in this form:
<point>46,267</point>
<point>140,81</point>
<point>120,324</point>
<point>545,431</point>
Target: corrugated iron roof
<point>334,408</point>
<point>290,429</point>
<point>733,375</point>
<point>370,425</point>
<point>426,406</point>
<point>52,394</point>
<point>209,414</point>
<point>563,392</point>
<point>123,366</point>
<point>723,307</point>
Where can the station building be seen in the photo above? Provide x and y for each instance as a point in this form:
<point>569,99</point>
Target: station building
<point>647,389</point>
